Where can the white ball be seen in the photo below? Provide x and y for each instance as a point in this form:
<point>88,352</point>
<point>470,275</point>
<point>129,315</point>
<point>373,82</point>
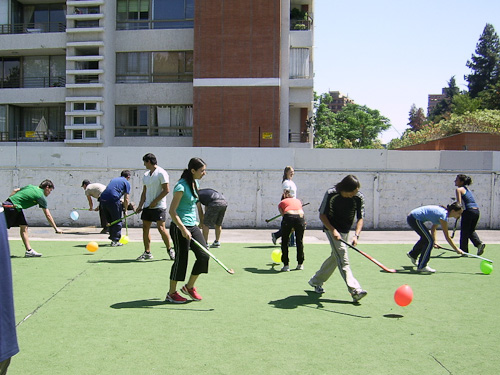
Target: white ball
<point>74,215</point>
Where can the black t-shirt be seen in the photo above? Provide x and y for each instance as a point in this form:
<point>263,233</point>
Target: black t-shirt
<point>341,211</point>
<point>211,197</point>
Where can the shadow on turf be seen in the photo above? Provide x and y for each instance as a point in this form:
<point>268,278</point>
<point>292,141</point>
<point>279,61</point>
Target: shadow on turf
<point>264,271</point>
<point>410,270</point>
<point>393,316</point>
<point>312,298</point>
<point>261,247</point>
<point>152,303</point>
<point>121,261</point>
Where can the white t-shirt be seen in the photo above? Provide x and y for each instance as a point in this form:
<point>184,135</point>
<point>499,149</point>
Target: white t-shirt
<point>153,183</point>
<point>290,185</point>
<point>94,190</point>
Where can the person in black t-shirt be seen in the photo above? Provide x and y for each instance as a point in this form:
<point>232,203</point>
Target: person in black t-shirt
<point>340,205</point>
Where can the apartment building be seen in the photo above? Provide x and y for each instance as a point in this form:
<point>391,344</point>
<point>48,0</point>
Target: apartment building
<point>178,73</point>
<point>434,99</point>
<point>339,101</point>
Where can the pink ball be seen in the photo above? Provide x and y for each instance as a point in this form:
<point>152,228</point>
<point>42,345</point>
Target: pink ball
<point>403,295</point>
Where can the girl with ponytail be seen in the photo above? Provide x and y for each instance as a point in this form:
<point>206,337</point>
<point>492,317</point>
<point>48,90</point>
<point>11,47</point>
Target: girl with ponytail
<point>184,227</point>
<point>470,217</point>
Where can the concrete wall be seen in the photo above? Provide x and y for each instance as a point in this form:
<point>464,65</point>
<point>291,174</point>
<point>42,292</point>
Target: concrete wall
<point>394,182</point>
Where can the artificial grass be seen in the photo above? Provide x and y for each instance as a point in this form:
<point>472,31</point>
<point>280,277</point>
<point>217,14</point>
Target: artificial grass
<point>103,313</point>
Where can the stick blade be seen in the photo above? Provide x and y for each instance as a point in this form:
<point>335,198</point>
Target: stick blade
<point>231,271</point>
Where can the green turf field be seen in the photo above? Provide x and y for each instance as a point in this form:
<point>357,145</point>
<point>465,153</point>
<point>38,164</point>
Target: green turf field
<point>103,313</point>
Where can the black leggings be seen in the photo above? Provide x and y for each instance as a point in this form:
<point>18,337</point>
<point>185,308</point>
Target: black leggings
<point>470,218</point>
<point>182,246</point>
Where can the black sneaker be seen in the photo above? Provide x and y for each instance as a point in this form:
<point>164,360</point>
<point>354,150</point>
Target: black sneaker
<point>480,249</point>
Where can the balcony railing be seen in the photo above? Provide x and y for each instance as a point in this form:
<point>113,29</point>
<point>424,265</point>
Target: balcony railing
<point>155,24</point>
<point>300,24</point>
<point>161,131</point>
<point>33,82</point>
<point>33,28</point>
<point>32,136</point>
<point>302,137</point>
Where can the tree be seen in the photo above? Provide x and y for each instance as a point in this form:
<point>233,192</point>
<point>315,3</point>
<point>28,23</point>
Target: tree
<point>490,97</point>
<point>322,121</point>
<point>355,126</point>
<point>416,118</point>
<point>483,121</point>
<point>485,64</point>
<point>463,103</point>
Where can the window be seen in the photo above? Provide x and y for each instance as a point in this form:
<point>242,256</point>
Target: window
<point>299,63</point>
<point>132,67</point>
<point>44,71</point>
<point>80,24</point>
<point>10,73</point>
<point>30,124</point>
<point>172,66</point>
<point>154,14</point>
<point>154,67</point>
<point>174,14</point>
<point>168,121</point>
<point>85,120</point>
<point>4,130</point>
<point>84,106</point>
<point>44,17</point>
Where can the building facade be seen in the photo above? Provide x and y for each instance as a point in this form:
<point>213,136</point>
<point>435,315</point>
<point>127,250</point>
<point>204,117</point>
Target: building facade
<point>339,101</point>
<point>434,99</point>
<point>181,73</point>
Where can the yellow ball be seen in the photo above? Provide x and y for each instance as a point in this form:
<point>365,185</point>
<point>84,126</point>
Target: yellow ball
<point>276,256</point>
<point>124,240</point>
<point>92,246</point>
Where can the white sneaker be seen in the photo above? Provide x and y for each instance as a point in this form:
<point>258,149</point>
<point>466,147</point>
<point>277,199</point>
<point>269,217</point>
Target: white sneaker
<point>413,260</point>
<point>31,254</point>
<point>285,269</point>
<point>145,256</point>
<point>299,267</point>
<point>171,253</point>
<point>216,244</point>
<point>426,269</point>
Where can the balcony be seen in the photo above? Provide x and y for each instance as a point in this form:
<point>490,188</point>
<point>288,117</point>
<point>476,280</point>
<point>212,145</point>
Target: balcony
<point>33,82</point>
<point>33,28</point>
<point>32,136</point>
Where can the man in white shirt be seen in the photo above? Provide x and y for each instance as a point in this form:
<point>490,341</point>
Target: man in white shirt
<point>153,199</point>
<point>94,190</point>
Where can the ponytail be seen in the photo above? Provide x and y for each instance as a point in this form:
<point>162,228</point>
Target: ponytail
<point>187,175</point>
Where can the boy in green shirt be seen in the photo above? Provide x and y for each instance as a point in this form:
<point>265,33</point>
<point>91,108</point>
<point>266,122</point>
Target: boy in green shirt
<point>27,197</point>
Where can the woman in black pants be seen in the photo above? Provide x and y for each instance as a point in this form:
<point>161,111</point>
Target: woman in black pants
<point>293,219</point>
<point>184,227</point>
<point>470,216</point>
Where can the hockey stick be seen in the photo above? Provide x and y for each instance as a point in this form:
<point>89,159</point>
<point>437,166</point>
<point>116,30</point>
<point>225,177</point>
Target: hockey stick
<point>230,271</point>
<point>454,228</point>
<point>468,254</point>
<point>277,216</point>
<point>120,219</point>
<point>391,270</point>
<point>82,209</point>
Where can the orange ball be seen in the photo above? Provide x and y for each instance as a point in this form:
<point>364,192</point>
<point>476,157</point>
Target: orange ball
<point>92,246</point>
<point>403,295</point>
